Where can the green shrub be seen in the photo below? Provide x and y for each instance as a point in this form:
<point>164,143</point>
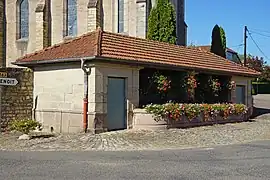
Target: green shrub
<point>25,125</point>
<point>261,87</point>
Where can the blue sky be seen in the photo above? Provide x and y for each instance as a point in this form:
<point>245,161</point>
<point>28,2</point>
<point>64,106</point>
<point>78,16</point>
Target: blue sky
<point>232,15</point>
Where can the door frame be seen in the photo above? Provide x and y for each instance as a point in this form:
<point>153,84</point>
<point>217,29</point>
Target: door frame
<point>125,97</point>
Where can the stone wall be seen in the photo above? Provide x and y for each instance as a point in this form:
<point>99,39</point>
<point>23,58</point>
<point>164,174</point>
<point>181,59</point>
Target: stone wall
<point>47,24</point>
<point>2,34</point>
<point>16,101</point>
<point>94,15</point>
<point>141,19</point>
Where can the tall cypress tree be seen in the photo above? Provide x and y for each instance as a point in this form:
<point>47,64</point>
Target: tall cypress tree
<point>162,22</point>
<point>218,45</point>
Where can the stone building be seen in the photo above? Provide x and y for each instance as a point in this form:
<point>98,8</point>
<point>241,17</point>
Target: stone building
<point>36,24</point>
<point>103,69</point>
<point>27,26</point>
<point>31,25</point>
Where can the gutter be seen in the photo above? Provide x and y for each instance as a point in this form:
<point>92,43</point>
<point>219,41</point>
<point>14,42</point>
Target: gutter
<point>49,61</point>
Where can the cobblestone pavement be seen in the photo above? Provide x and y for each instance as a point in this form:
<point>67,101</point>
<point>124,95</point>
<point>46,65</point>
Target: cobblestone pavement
<point>141,139</point>
<point>206,136</point>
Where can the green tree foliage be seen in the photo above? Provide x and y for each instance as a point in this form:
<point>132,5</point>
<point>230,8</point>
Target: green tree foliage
<point>162,22</point>
<point>265,76</point>
<point>218,45</point>
<point>223,41</point>
<point>258,64</point>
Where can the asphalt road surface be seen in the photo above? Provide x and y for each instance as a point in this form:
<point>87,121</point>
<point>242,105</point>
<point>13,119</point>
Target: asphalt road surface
<point>248,161</point>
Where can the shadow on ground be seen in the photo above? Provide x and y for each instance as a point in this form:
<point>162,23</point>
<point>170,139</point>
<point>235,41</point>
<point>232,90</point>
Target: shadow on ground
<point>36,136</point>
<point>259,112</point>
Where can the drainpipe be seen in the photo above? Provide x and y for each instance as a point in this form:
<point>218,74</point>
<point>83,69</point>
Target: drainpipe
<point>86,71</point>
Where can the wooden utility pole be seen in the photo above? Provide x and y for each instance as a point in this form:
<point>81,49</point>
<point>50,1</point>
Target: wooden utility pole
<point>245,46</point>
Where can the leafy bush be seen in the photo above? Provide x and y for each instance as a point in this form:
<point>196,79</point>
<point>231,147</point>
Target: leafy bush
<point>158,110</point>
<point>24,126</point>
<point>175,111</point>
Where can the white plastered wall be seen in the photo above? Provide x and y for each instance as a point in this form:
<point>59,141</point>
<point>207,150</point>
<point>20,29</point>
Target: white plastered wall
<point>59,91</point>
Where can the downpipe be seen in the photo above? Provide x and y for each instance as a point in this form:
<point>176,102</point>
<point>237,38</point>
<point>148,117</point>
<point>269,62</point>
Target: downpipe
<point>86,71</point>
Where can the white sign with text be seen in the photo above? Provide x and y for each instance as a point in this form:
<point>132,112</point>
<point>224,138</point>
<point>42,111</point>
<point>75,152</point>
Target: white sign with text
<point>8,81</point>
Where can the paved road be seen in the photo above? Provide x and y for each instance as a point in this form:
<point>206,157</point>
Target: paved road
<point>249,161</point>
<point>262,106</point>
<point>262,101</point>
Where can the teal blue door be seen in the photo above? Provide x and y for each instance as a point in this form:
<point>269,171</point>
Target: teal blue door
<point>116,104</point>
<point>240,94</point>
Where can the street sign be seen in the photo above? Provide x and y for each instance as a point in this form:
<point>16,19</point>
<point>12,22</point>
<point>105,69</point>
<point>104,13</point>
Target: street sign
<point>8,81</point>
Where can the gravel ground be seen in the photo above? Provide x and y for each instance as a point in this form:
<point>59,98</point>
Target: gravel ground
<point>141,139</point>
<point>207,136</point>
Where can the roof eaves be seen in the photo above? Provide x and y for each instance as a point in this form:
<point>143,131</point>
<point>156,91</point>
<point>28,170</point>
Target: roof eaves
<point>54,61</point>
<point>176,67</point>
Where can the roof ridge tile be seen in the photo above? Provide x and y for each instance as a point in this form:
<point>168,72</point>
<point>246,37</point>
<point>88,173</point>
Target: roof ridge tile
<point>98,42</point>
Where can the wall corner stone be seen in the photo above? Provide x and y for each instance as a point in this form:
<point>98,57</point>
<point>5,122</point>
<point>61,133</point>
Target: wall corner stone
<point>141,20</point>
<point>40,25</point>
<point>94,15</point>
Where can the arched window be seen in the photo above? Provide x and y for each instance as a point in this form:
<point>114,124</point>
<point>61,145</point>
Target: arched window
<point>70,18</point>
<point>23,16</point>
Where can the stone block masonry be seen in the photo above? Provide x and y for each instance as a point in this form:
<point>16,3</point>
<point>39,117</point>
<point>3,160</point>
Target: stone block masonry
<point>16,101</point>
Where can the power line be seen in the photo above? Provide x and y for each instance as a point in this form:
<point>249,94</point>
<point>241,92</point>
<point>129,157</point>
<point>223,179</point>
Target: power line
<point>237,50</point>
<point>257,45</point>
<point>239,45</point>
<point>260,30</point>
<point>253,32</point>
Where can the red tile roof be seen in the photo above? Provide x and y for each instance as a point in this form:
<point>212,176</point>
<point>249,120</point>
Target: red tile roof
<point>105,45</point>
<point>83,46</point>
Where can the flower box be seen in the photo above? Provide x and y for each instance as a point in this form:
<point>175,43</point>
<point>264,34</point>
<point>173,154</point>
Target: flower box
<point>198,121</point>
<point>173,115</point>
